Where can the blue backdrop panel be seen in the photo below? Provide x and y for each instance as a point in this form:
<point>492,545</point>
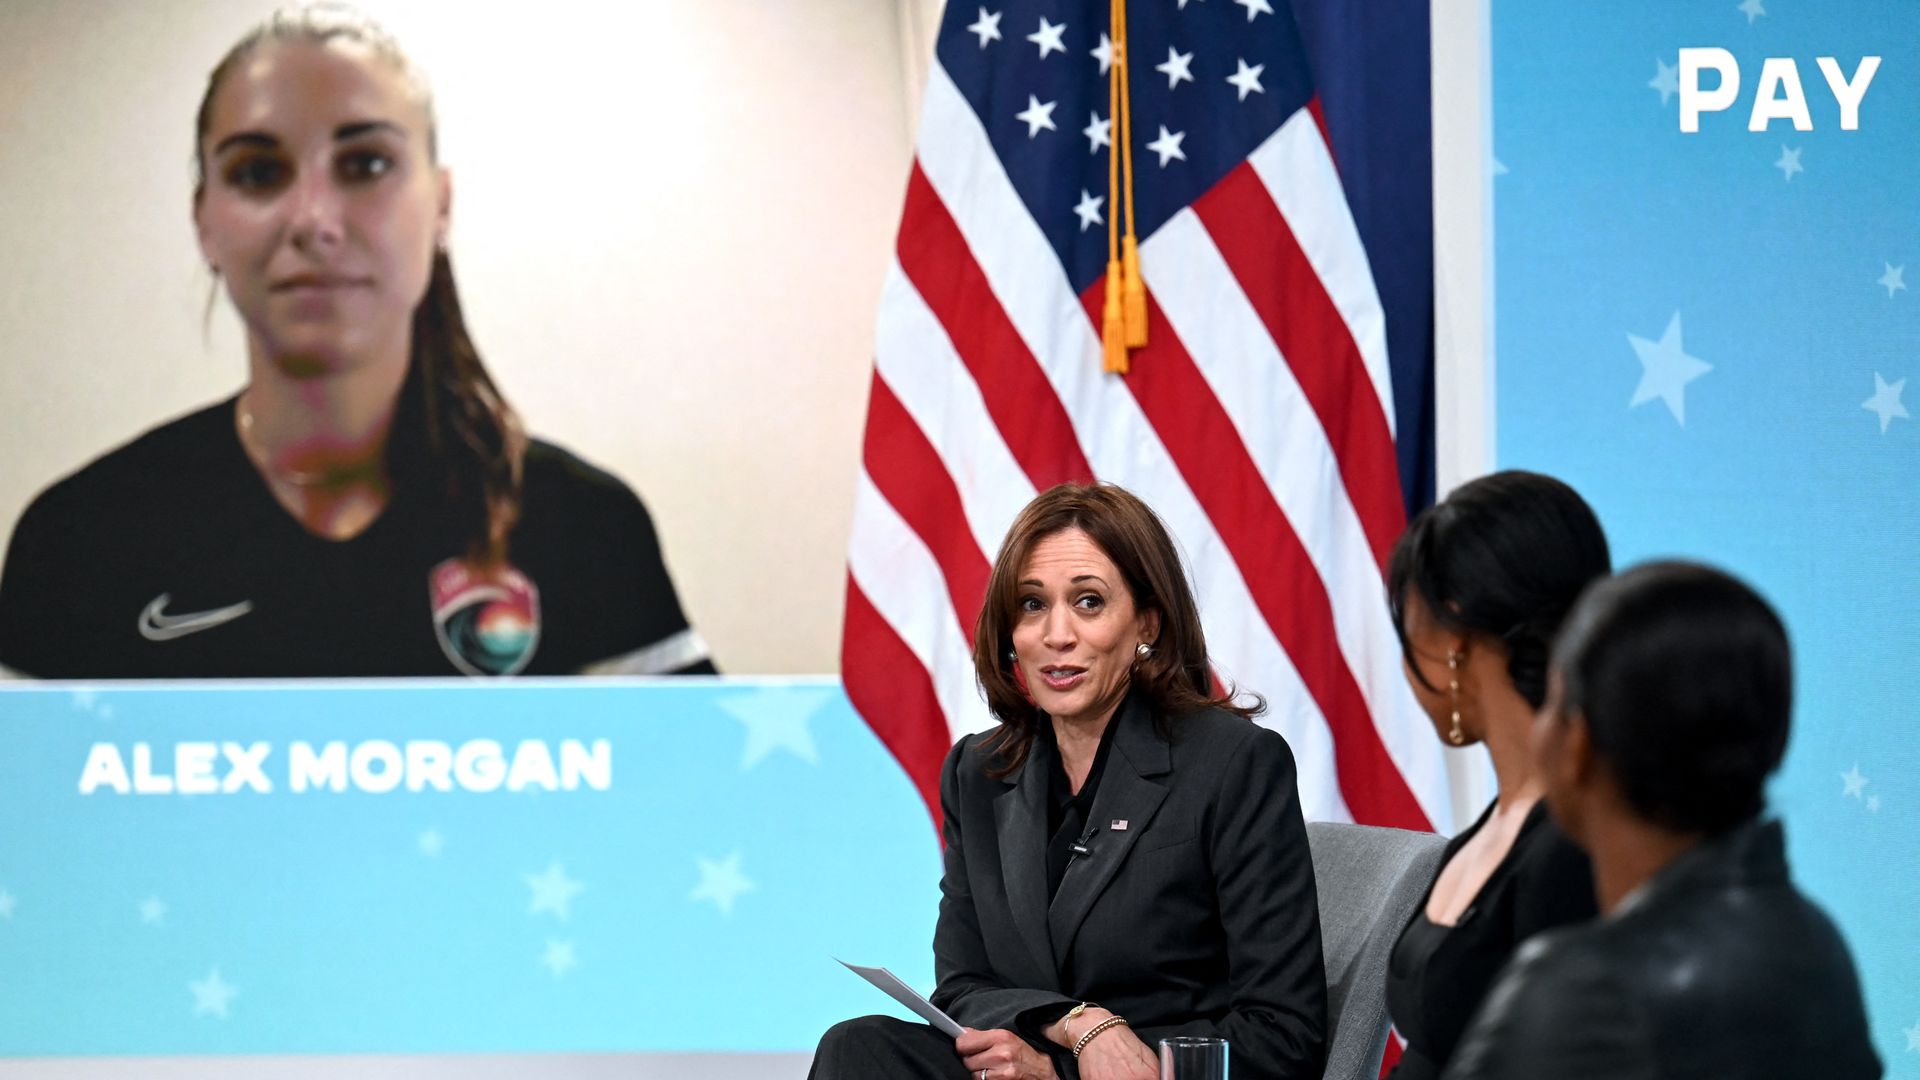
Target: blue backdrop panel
<point>1710,335</point>
<point>750,831</point>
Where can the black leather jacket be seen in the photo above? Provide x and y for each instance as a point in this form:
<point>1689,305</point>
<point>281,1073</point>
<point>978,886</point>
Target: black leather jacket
<point>1717,967</point>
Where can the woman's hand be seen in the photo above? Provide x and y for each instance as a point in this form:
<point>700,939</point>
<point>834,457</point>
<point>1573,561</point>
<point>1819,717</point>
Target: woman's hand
<point>1001,1055</point>
<point>1118,1054</point>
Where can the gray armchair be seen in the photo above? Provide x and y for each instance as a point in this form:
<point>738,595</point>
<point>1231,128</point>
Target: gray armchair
<point>1369,880</point>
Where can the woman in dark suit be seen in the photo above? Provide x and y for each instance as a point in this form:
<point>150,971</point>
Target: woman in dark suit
<point>1125,855</point>
<point>1672,689</point>
<point>1479,584</point>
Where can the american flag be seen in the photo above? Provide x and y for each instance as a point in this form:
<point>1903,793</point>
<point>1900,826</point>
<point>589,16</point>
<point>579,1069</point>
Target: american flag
<point>1282,199</point>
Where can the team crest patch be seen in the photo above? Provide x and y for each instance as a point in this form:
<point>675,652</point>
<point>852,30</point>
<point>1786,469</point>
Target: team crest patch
<point>487,620</point>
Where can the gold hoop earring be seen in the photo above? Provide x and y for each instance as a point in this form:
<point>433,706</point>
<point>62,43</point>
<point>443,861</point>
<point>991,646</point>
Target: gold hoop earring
<point>1454,734</point>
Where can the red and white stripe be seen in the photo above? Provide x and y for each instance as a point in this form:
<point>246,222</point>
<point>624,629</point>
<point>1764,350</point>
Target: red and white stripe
<point>1258,424</point>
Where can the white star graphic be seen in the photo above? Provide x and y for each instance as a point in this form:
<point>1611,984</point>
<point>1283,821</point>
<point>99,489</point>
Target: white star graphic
<point>1894,279</point>
<point>1666,80</point>
<point>1666,369</point>
<point>1885,401</point>
<point>431,843</point>
<point>1247,79</point>
<point>212,994</point>
<point>721,882</point>
<point>776,719</point>
<point>1103,52</point>
<point>1168,145</point>
<point>153,911</point>
<point>1873,804</point>
<point>1255,7</point>
<point>1099,133</point>
<point>559,957</point>
<point>1855,783</point>
<point>1753,8</point>
<point>1048,37</point>
<point>1913,1037</point>
<point>7,902</point>
<point>1177,68</point>
<point>553,891</point>
<point>1183,5</point>
<point>987,26</point>
<point>1089,210</point>
<point>1789,162</point>
<point>1036,116</point>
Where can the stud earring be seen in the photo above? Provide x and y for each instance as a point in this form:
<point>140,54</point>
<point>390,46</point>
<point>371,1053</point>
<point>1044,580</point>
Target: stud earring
<point>1143,650</point>
<point>1454,734</point>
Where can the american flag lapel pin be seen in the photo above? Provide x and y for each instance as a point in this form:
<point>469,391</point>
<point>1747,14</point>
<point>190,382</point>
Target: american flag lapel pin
<point>1119,825</point>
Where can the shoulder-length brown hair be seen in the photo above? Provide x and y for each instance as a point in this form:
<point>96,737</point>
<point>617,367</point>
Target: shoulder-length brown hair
<point>1175,678</point>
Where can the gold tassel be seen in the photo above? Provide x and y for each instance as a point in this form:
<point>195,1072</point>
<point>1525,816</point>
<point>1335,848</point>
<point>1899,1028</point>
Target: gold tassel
<point>1113,326</point>
<point>1133,292</point>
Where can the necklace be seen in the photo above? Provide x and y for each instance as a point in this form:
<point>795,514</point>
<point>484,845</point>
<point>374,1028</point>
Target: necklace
<point>295,477</point>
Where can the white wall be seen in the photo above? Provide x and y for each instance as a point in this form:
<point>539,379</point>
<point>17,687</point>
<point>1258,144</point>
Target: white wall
<point>671,222</point>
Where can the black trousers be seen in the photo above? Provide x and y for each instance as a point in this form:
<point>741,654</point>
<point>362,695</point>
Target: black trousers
<point>885,1048</point>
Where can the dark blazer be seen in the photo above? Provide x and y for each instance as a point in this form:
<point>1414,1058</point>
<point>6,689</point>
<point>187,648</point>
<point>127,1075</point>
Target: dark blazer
<point>1194,914</point>
<point>1717,967</point>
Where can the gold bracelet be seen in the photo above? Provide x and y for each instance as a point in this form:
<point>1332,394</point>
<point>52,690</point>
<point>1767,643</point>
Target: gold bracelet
<point>1073,1012</point>
<point>1095,1030</point>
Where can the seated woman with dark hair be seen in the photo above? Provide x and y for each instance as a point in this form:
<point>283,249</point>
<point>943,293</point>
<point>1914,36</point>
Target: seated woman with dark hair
<point>1125,855</point>
<point>1479,584</point>
<point>1668,707</point>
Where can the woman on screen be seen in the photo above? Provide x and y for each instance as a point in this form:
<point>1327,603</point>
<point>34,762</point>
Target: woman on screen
<point>1671,699</point>
<point>1479,584</point>
<point>1125,855</point>
<point>368,503</point>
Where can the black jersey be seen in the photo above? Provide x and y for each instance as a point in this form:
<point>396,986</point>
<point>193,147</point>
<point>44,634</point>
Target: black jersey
<point>169,557</point>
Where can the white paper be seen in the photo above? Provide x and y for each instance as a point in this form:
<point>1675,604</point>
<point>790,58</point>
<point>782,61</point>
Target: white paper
<point>890,984</point>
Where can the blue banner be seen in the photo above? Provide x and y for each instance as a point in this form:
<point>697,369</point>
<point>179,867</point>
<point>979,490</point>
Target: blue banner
<point>564,866</point>
<point>1710,334</point>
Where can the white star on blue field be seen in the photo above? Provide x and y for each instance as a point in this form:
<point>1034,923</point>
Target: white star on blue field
<point>212,995</point>
<point>552,891</point>
<point>1789,162</point>
<point>559,957</point>
<point>1853,783</point>
<point>777,718</point>
<point>1666,79</point>
<point>1885,402</point>
<point>987,27</point>
<point>1666,369</point>
<point>721,882</point>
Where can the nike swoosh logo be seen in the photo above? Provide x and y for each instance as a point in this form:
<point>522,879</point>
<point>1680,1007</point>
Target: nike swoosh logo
<point>157,625</point>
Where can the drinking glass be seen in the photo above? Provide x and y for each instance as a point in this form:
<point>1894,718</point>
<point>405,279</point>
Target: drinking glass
<point>1188,1057</point>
